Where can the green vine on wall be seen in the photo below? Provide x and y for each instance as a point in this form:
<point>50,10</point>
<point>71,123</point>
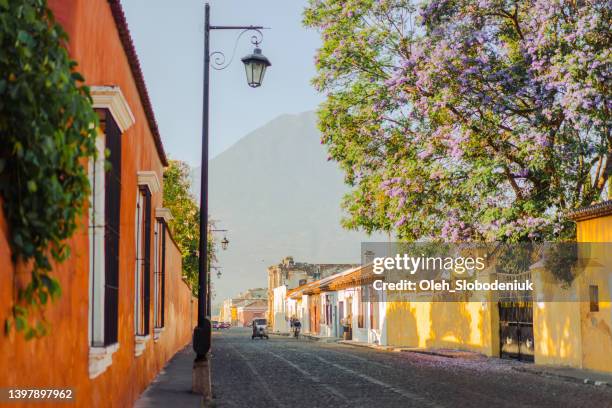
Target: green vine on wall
<point>47,127</point>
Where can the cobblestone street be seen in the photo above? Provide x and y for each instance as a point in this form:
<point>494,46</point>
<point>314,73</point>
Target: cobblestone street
<point>284,372</point>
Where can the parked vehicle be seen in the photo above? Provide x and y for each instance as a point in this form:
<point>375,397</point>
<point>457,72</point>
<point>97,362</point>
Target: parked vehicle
<point>215,324</point>
<point>260,329</point>
<point>224,325</point>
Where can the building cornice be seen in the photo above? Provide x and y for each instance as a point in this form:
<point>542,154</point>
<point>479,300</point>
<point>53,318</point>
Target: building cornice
<point>165,213</point>
<point>149,178</point>
<point>111,98</point>
<point>134,63</point>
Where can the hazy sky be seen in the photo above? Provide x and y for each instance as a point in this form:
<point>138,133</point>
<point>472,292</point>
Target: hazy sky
<point>169,39</point>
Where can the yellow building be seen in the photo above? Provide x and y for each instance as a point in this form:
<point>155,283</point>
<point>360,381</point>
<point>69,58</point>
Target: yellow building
<point>578,333</point>
<point>567,326</point>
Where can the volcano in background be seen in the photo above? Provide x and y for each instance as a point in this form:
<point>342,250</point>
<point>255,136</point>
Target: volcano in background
<point>278,196</point>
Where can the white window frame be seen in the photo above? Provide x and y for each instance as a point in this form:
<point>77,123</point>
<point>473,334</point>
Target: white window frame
<point>157,277</point>
<point>162,216</point>
<point>100,356</point>
<point>146,179</point>
<point>139,270</point>
<point>140,339</point>
<point>96,227</point>
<point>157,240</point>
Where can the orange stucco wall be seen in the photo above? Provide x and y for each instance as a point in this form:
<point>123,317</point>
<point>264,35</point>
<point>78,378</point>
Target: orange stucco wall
<point>61,358</point>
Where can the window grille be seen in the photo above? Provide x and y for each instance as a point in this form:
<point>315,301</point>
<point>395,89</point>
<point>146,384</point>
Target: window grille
<point>143,264</point>
<point>112,233</point>
<point>159,272</point>
<point>104,223</point>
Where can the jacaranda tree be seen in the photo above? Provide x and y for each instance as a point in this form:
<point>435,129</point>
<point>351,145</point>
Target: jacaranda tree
<point>465,120</point>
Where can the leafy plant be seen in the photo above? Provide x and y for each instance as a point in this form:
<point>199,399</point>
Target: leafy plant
<point>47,130</point>
<point>185,223</point>
<point>562,261</point>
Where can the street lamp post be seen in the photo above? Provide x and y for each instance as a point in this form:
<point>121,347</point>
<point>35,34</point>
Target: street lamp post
<point>224,244</point>
<point>224,241</point>
<point>255,66</point>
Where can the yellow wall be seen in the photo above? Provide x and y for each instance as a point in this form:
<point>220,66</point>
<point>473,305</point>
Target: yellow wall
<point>557,333</point>
<point>595,230</point>
<point>567,332</point>
<point>596,326</point>
<point>465,325</point>
<point>459,325</point>
<point>597,337</point>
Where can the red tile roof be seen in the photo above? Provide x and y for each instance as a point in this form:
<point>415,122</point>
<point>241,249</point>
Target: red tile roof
<point>130,51</point>
<point>592,211</point>
<point>357,276</point>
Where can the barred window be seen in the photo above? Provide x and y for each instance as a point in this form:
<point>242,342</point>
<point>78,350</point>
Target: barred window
<point>328,310</point>
<point>362,307</point>
<point>159,272</point>
<point>104,210</point>
<point>143,254</point>
<point>374,308</point>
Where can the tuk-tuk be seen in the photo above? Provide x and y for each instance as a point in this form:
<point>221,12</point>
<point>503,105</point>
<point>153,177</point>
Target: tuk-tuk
<point>260,329</point>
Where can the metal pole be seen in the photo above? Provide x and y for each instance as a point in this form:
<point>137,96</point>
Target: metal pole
<point>203,331</point>
<point>202,265</point>
<point>209,299</point>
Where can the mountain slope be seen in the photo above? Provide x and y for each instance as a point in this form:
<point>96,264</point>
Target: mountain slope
<point>278,195</point>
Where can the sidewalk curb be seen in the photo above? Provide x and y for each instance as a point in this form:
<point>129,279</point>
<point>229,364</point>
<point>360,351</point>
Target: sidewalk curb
<point>306,336</point>
<point>320,339</point>
<point>367,345</point>
<point>550,374</point>
<point>278,334</point>
<point>429,353</point>
<point>448,353</point>
<point>394,349</point>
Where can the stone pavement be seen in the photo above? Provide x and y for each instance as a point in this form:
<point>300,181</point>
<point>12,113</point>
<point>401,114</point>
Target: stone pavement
<point>284,371</point>
<point>172,387</point>
<point>575,375</point>
<point>288,372</point>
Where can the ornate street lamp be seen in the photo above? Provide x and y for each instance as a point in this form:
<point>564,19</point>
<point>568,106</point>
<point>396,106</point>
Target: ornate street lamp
<point>224,243</point>
<point>255,66</point>
<point>218,269</point>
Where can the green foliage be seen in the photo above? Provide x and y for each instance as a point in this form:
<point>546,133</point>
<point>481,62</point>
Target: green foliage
<point>516,259</point>
<point>185,223</point>
<point>460,122</point>
<point>47,128</point>
<point>562,261</point>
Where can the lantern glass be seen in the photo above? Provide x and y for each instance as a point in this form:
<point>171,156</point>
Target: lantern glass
<point>255,66</point>
<point>224,243</point>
